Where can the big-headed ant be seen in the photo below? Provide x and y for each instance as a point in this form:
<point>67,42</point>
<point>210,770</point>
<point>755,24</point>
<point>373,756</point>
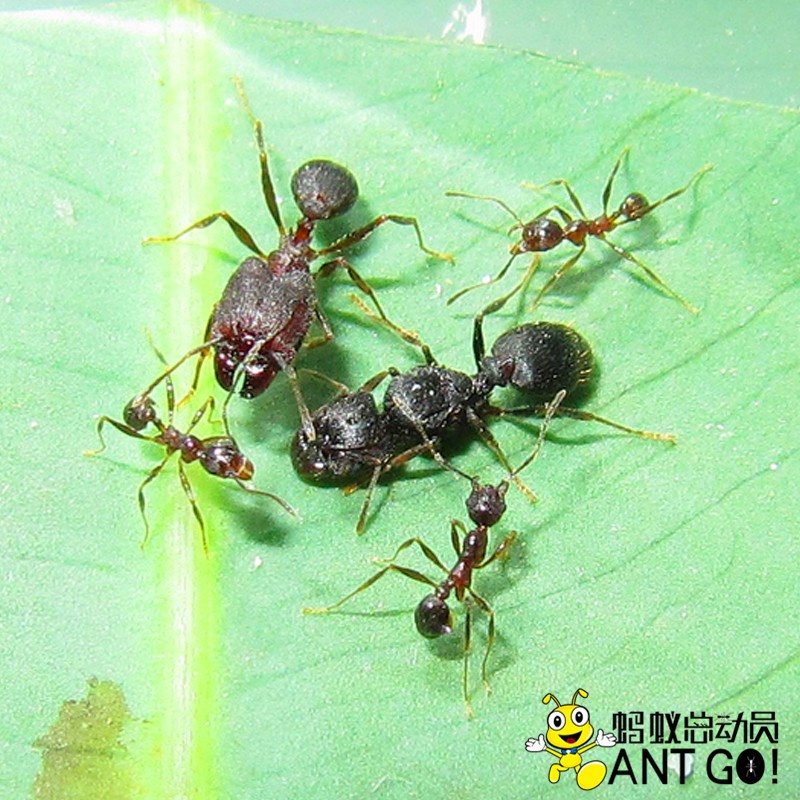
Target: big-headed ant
<point>543,233</point>
<point>218,455</point>
<point>433,616</point>
<point>356,443</point>
<point>269,302</point>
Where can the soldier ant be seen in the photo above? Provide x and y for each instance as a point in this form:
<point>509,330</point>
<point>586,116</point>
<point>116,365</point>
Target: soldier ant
<point>433,616</point>
<point>543,233</point>
<point>218,455</point>
<point>356,443</point>
<point>269,302</point>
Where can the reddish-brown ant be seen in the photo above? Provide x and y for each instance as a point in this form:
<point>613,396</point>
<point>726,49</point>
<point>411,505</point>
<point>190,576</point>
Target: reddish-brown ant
<point>267,307</point>
<point>218,455</point>
<point>543,233</point>
<point>485,506</point>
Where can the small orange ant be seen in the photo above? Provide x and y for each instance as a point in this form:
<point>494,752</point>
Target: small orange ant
<point>485,506</point>
<point>218,455</point>
<point>543,233</point>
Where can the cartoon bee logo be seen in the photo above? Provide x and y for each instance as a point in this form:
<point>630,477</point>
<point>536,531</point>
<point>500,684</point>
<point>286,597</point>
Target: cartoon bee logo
<point>568,738</point>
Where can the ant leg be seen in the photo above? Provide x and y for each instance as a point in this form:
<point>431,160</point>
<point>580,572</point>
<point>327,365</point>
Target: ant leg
<point>501,551</point>
<point>478,345</point>
<point>341,388</point>
<point>341,263</point>
<point>610,182</point>
<point>412,337</point>
<point>429,554</point>
<point>387,466</point>
<point>187,489</point>
<point>500,275</point>
<point>305,415</point>
<point>409,573</point>
<point>373,482</point>
<point>557,275</point>
<point>671,196</point>
<point>467,640</point>
<point>266,180</point>
<point>120,426</point>
<point>327,330</point>
<point>361,233</point>
<point>587,416</point>
<point>652,274</point>
<point>455,526</point>
<point>154,473</point>
<point>201,350</point>
<point>490,636</point>
<point>491,199</point>
<point>488,439</point>
<point>279,500</point>
<point>573,196</point>
<point>238,229</point>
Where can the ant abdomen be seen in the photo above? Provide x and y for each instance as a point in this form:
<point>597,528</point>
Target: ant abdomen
<point>324,189</point>
<point>634,206</point>
<point>547,357</point>
<point>538,236</point>
<point>433,617</point>
<point>220,456</point>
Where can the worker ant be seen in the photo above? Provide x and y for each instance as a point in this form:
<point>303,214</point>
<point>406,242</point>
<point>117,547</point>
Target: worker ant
<point>544,233</point>
<point>218,455</point>
<point>270,301</point>
<point>485,506</point>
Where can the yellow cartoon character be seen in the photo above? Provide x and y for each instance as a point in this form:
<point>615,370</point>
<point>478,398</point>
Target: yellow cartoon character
<point>568,735</point>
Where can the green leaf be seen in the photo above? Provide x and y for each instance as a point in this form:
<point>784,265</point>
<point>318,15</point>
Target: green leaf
<point>657,578</point>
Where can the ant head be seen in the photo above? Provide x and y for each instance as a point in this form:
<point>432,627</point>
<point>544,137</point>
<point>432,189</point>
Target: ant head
<point>546,357</point>
<point>257,373</point>
<point>487,504</point>
<point>140,412</point>
<point>539,235</point>
<point>221,456</point>
<point>324,189</point>
<point>309,457</point>
<point>634,206</point>
<point>433,617</point>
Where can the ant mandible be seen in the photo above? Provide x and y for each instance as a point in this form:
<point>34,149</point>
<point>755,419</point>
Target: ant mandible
<point>269,302</point>
<point>433,617</point>
<point>543,233</point>
<point>218,455</point>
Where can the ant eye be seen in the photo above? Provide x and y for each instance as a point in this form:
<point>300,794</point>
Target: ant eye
<point>556,720</point>
<point>580,716</point>
<point>433,617</point>
<point>323,189</point>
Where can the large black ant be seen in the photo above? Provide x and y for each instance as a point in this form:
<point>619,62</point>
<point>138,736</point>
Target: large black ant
<point>543,233</point>
<point>433,616</point>
<point>218,455</point>
<point>269,302</point>
<point>356,443</point>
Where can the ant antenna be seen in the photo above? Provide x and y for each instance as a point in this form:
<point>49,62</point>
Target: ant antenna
<point>266,180</point>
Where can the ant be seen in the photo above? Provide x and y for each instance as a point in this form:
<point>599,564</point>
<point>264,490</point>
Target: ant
<point>270,301</point>
<point>356,443</point>
<point>543,233</point>
<point>218,455</point>
<point>433,616</point>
